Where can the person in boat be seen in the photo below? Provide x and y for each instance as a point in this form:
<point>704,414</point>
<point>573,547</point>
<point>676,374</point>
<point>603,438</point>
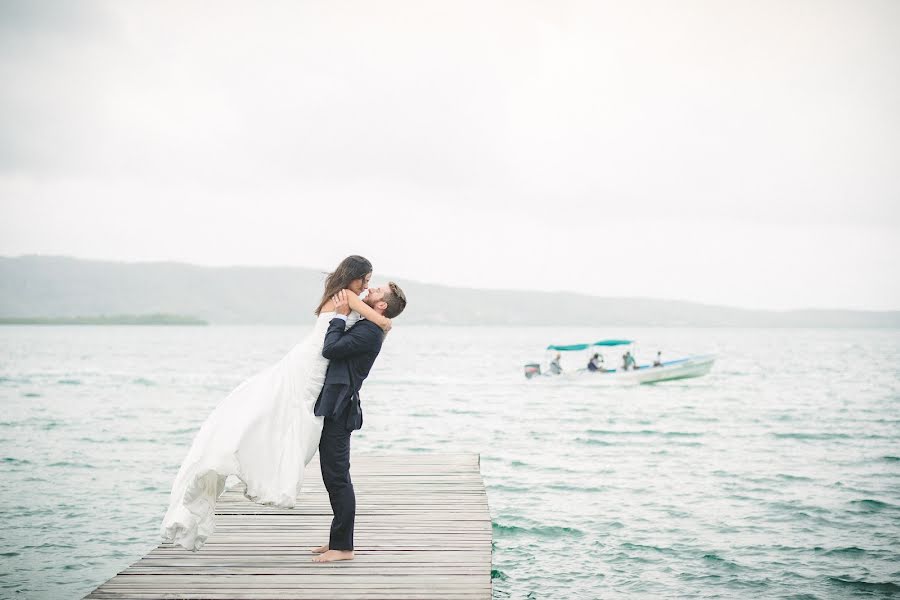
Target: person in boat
<point>658,361</point>
<point>628,363</point>
<point>596,362</point>
<point>555,367</point>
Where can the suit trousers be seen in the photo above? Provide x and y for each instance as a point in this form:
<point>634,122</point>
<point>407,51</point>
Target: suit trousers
<point>334,459</point>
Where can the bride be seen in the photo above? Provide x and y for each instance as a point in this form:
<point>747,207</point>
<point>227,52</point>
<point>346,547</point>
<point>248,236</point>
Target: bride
<point>264,431</point>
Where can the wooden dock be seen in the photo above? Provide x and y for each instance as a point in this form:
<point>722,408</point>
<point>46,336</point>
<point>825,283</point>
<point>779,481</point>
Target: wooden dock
<point>423,530</point>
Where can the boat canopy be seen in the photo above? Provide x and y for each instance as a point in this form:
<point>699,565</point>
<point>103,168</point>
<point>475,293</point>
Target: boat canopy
<point>571,347</point>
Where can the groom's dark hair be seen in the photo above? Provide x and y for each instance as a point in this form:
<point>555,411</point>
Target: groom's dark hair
<point>395,299</point>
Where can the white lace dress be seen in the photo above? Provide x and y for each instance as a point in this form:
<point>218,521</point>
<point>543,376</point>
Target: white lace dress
<point>264,432</point>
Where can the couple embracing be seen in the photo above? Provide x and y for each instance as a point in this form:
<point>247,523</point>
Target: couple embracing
<point>270,426</point>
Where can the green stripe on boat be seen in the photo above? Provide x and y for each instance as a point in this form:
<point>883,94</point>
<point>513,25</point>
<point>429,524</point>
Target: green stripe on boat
<point>571,347</point>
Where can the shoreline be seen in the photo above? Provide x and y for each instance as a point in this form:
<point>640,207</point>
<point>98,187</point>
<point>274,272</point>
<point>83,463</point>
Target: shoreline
<point>154,319</point>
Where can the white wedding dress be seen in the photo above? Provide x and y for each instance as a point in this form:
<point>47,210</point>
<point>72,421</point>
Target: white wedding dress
<point>264,432</point>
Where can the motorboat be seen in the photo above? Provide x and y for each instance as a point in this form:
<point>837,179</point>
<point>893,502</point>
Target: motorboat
<point>659,370</point>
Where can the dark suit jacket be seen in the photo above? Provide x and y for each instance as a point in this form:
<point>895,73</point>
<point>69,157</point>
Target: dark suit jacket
<point>351,354</point>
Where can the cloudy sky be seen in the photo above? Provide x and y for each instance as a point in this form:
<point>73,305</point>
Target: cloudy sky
<point>742,153</point>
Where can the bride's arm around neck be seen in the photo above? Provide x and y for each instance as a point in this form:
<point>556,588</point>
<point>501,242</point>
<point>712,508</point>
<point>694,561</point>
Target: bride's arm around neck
<point>368,312</point>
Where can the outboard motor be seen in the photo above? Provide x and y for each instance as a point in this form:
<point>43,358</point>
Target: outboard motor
<point>532,370</point>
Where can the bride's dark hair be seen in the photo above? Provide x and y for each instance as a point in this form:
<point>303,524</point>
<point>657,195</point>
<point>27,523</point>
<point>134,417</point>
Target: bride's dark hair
<point>352,267</point>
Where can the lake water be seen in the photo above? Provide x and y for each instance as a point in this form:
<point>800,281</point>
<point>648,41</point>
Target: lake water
<point>777,475</point>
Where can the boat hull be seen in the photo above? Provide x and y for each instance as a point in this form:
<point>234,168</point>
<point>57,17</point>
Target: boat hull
<point>686,368</point>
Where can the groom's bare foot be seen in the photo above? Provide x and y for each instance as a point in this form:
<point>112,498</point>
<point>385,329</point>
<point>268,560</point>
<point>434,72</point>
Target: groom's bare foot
<point>320,549</point>
<point>333,555</point>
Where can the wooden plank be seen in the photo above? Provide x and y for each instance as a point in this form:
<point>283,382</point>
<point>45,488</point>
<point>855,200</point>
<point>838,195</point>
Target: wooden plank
<point>423,530</point>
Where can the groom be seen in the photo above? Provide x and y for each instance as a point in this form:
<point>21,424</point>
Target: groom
<point>351,354</point>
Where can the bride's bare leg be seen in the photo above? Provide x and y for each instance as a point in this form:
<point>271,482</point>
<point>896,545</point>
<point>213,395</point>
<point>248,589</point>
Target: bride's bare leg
<point>320,549</point>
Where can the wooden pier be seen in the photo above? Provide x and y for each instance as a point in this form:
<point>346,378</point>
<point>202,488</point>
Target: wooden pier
<point>423,530</point>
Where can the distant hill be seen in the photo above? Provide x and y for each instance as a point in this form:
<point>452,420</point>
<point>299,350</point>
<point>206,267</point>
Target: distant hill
<point>156,319</point>
<point>52,287</point>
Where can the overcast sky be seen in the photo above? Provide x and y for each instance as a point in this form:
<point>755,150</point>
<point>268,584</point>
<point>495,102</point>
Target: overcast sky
<point>740,153</point>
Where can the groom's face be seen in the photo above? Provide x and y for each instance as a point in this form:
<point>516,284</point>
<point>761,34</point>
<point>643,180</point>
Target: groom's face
<point>376,295</point>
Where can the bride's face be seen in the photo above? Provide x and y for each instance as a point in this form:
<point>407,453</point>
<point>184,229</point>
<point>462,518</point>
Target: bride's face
<point>360,285</point>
